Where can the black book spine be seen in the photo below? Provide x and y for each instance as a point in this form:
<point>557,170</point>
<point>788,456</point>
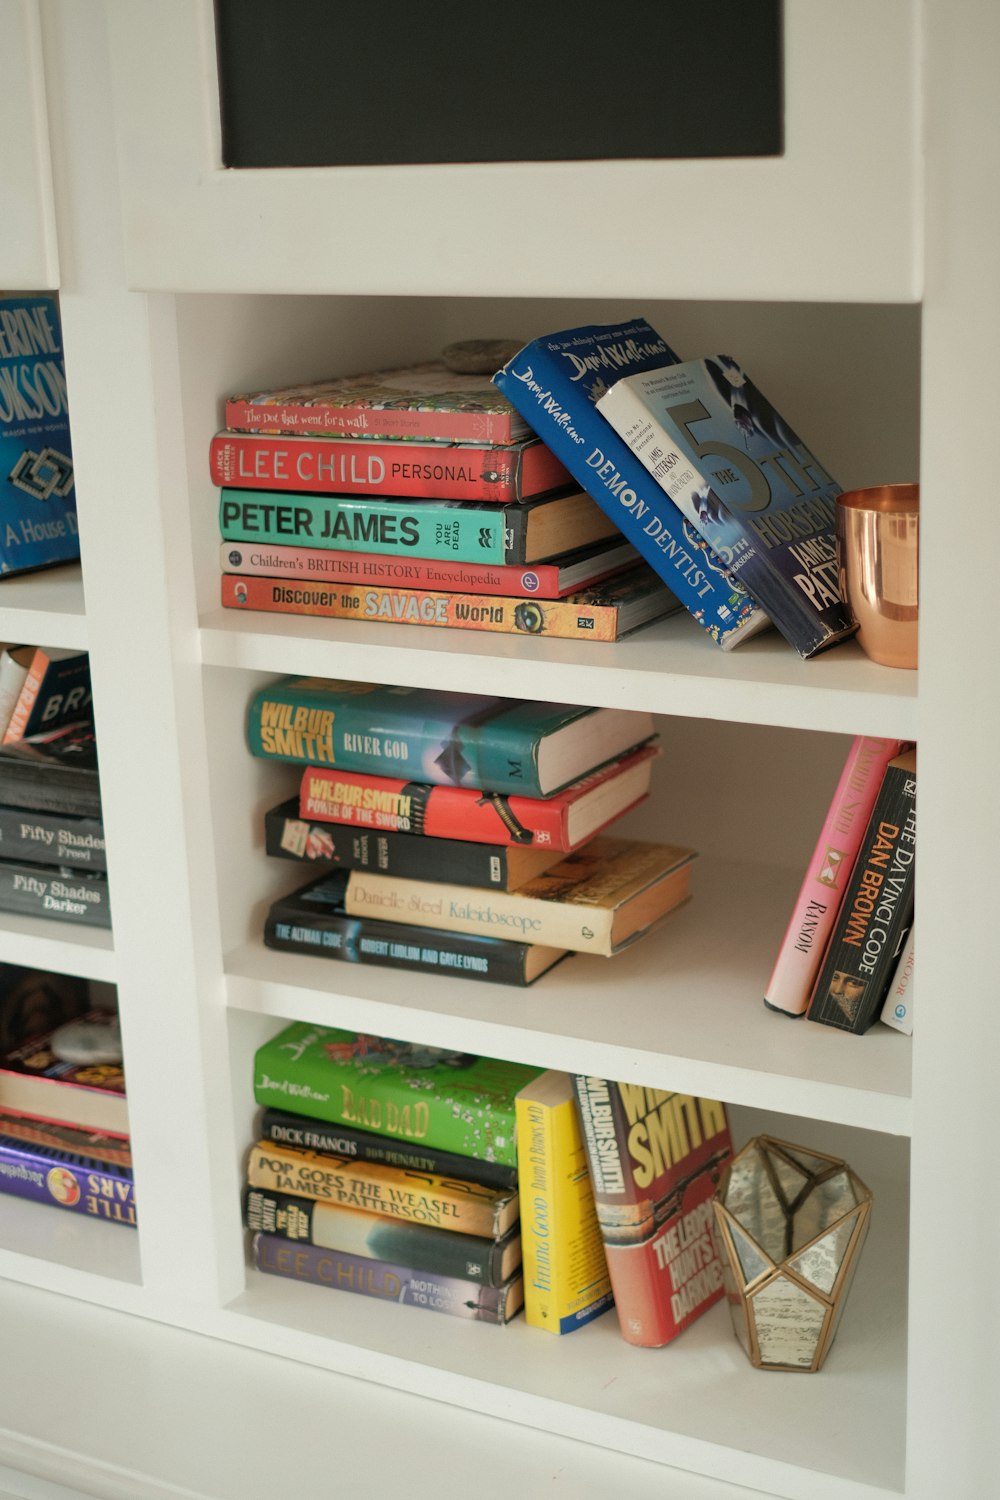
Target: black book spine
<point>877,909</point>
<point>68,896</point>
<point>288,1129</point>
<point>47,838</point>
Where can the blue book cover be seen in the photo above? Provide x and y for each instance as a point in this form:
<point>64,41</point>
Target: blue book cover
<point>37,498</point>
<point>739,473</point>
<point>555,383</point>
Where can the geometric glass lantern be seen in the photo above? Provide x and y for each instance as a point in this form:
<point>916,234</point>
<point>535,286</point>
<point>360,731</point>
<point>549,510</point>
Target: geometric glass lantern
<point>789,1227</point>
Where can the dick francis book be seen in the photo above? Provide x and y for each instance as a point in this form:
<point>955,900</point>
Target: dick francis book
<point>746,481</point>
<point>67,1179</point>
<point>434,735</point>
<point>456,1100</point>
<point>555,382</point>
<point>38,525</point>
<point>655,1162</point>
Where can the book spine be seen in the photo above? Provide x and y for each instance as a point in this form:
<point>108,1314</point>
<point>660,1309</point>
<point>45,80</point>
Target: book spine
<point>387,1282</point>
<point>38,891</point>
<point>27,697</point>
<point>64,1180</point>
<point>330,1227</point>
<point>452,1204</point>
<point>52,838</point>
<point>546,388</point>
<point>428,529</point>
<point>364,569</point>
<point>93,1145</point>
<point>563,619</point>
<point>287,1129</point>
<point>604,1130</point>
<point>897,1011</point>
<point>822,891</point>
<point>386,422</point>
<point>876,912</point>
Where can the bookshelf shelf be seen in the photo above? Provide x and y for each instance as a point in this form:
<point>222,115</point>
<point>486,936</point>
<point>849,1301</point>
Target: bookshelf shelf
<point>75,1256</point>
<point>45,608</point>
<point>65,947</point>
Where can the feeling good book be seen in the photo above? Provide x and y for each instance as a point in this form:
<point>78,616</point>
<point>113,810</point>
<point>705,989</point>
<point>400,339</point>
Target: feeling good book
<point>605,612</point>
<point>328,464</point>
<point>735,468</point>
<point>455,1100</point>
<point>564,820</point>
<point>555,382</point>
<point>599,900</point>
<point>430,734</point>
<point>423,401</point>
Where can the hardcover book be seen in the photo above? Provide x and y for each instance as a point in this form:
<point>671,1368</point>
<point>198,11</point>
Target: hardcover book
<point>430,734</point>
<point>388,1282</point>
<point>327,464</point>
<point>747,482</point>
<point>38,524</point>
<point>286,1129</point>
<point>329,846</point>
<point>566,1283</point>
<point>455,530</point>
<point>423,401</point>
<point>53,772</point>
<point>88,1096</point>
<point>330,1226</point>
<point>313,920</point>
<point>66,895</point>
<point>655,1161</point>
<point>564,820</point>
<point>55,692</point>
<point>877,909</point>
<point>606,612</point>
<point>455,1100</point>
<point>449,1203</point>
<point>55,838</point>
<point>600,900</point>
<point>563,575</point>
<point>555,383</point>
<point>816,907</point>
<point>65,1179</point>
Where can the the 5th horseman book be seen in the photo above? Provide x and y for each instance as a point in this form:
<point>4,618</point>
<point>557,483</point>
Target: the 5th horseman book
<point>430,734</point>
<point>53,772</point>
<point>747,482</point>
<point>655,1162</point>
<point>555,382</point>
<point>456,1100</point>
<point>313,920</point>
<point>877,910</point>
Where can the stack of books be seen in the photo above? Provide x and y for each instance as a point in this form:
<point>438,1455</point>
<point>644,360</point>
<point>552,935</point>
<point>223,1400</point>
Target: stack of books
<point>64,1131</point>
<point>464,834</point>
<point>388,1169</point>
<point>417,496</point>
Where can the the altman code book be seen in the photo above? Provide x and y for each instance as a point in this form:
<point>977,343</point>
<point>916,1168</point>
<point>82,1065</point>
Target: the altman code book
<point>38,524</point>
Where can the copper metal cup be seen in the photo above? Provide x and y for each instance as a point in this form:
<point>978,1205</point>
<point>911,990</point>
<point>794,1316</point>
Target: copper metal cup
<point>877,547</point>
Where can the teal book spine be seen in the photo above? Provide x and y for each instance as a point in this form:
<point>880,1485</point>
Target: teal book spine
<point>435,529</point>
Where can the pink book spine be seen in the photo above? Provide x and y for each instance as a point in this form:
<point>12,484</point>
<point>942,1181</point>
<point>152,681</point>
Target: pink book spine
<point>827,873</point>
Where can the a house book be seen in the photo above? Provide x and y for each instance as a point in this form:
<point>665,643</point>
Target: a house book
<point>67,895</point>
<point>655,1161</point>
<point>598,900</point>
<point>555,382</point>
<point>388,1282</point>
<point>36,1080</point>
<point>329,846</point>
<point>449,1203</point>
<point>330,1226</point>
<point>325,463</point>
<point>456,1100</point>
<point>423,401</point>
<point>454,530</point>
<point>566,1282</point>
<point>564,820</point>
<point>55,771</point>
<point>818,902</point>
<point>434,735</point>
<point>55,691</point>
<point>67,1179</point>
<point>566,574</point>
<point>313,920</point>
<point>38,525</point>
<point>877,909</point>
<point>743,478</point>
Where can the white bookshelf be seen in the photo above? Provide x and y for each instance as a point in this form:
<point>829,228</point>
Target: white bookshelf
<point>873,241</point>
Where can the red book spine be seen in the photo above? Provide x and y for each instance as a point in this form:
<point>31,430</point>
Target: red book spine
<point>395,422</point>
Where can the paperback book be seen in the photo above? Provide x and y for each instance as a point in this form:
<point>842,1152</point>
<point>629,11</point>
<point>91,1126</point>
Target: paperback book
<point>36,1080</point>
<point>68,1180</point>
<point>55,691</point>
<point>57,892</point>
<point>106,1149</point>
<point>52,838</point>
<point>53,772</point>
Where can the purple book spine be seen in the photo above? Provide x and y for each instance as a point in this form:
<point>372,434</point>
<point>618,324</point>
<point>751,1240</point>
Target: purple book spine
<point>65,1180</point>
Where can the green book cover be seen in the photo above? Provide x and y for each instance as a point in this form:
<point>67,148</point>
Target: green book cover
<point>455,1101</point>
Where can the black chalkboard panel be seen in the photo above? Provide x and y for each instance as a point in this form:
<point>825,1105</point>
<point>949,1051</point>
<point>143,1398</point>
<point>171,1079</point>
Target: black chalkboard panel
<point>326,83</point>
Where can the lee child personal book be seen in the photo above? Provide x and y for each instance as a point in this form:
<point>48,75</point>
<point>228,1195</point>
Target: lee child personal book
<point>566,1283</point>
<point>455,1100</point>
<point>746,481</point>
<point>816,907</point>
<point>655,1162</point>
<point>555,382</point>
<point>430,734</point>
<point>67,1179</point>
